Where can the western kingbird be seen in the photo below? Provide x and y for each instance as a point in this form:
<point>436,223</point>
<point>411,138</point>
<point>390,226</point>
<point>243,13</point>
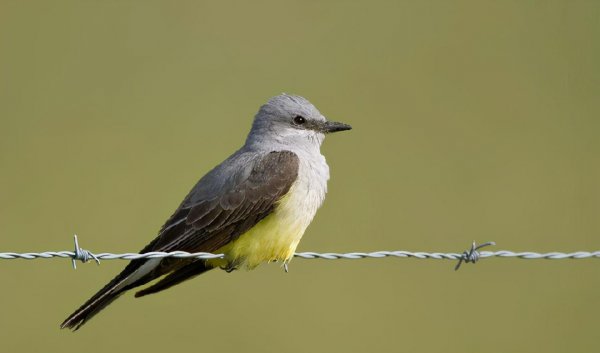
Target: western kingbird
<point>254,207</point>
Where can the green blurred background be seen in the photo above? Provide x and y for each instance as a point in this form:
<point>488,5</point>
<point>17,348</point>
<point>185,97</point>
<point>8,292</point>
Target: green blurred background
<point>472,120</point>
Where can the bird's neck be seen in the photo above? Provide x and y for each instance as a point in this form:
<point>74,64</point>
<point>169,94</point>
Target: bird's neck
<point>308,143</point>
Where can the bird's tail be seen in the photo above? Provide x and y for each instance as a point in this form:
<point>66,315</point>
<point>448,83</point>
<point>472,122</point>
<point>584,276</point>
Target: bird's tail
<point>91,307</point>
<point>135,274</point>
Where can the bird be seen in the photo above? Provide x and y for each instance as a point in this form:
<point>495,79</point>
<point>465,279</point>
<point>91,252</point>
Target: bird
<point>254,207</point>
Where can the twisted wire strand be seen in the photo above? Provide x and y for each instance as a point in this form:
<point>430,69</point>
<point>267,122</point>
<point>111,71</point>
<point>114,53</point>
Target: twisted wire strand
<point>309,255</point>
<point>468,256</point>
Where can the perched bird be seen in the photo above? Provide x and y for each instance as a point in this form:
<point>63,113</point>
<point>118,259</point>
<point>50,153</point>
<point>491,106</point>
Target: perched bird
<point>253,207</point>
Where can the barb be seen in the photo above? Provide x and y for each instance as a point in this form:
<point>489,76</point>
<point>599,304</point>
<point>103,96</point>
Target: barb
<point>472,255</point>
<point>469,256</point>
<point>81,254</point>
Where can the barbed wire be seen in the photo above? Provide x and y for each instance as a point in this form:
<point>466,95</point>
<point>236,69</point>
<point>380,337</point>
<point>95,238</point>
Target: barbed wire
<point>468,256</point>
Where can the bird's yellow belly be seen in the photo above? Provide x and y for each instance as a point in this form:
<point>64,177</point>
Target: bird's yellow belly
<point>275,238</point>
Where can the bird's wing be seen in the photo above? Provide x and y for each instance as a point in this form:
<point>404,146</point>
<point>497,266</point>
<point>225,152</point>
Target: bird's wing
<point>206,222</point>
<point>224,204</point>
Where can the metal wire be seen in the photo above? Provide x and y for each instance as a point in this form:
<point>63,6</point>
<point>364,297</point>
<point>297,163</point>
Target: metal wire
<point>469,256</point>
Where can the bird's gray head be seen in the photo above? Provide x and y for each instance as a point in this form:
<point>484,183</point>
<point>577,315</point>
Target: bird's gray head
<point>291,120</point>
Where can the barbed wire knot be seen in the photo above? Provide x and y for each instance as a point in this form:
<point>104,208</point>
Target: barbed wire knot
<point>82,254</point>
<point>472,255</point>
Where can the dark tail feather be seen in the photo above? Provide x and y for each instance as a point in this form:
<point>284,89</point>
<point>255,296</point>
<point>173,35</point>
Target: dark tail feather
<point>111,291</point>
<point>184,273</point>
<point>104,297</point>
<point>91,307</point>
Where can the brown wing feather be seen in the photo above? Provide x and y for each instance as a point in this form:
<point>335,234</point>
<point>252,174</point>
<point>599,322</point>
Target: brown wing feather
<point>208,221</point>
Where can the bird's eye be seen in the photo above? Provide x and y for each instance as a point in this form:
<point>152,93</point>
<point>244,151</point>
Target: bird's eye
<point>299,120</point>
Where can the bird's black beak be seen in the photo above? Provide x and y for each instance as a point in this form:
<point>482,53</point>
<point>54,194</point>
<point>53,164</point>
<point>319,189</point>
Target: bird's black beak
<point>333,126</point>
